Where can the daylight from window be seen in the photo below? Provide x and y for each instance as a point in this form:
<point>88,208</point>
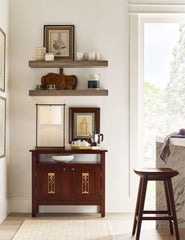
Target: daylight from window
<point>164,84</point>
<point>164,89</point>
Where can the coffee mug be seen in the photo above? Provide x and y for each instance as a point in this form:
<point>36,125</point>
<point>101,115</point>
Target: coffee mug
<point>79,56</point>
<point>91,56</point>
<point>98,56</point>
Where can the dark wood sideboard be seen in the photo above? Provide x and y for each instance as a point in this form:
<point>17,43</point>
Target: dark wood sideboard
<point>68,183</point>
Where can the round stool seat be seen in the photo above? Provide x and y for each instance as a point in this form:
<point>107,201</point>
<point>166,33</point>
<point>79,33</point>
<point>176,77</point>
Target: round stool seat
<point>156,172</point>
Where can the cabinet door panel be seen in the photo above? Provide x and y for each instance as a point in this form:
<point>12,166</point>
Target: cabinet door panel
<point>85,183</point>
<point>53,183</point>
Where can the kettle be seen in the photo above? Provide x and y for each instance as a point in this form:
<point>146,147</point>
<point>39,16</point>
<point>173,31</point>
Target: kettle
<point>95,138</point>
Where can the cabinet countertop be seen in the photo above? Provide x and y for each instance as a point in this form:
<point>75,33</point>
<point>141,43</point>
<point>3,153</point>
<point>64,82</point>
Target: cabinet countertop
<point>59,150</point>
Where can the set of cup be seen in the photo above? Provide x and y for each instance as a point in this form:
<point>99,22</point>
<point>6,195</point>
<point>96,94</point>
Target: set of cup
<point>79,143</point>
<point>49,87</point>
<point>90,56</point>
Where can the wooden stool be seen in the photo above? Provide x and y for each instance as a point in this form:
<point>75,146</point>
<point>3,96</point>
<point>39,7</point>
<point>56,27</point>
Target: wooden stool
<point>155,174</point>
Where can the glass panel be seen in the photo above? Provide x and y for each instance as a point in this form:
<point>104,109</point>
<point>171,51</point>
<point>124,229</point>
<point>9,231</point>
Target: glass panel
<point>163,83</point>
<point>50,125</point>
<point>164,86</point>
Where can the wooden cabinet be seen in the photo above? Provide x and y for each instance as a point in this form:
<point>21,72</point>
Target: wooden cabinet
<point>68,183</point>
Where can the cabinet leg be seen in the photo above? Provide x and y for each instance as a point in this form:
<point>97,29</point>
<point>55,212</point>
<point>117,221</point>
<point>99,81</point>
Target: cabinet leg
<point>102,214</point>
<point>37,209</point>
<point>34,210</point>
<point>102,210</point>
<point>33,214</point>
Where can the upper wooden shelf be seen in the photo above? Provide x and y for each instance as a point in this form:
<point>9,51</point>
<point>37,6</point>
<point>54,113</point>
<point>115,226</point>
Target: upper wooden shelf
<point>67,64</point>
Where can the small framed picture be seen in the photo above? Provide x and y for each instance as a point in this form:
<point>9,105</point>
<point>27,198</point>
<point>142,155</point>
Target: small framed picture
<point>59,39</point>
<point>2,126</point>
<point>82,123</point>
<point>2,59</point>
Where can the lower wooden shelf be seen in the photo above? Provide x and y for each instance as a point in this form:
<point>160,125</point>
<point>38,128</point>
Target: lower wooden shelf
<point>100,92</point>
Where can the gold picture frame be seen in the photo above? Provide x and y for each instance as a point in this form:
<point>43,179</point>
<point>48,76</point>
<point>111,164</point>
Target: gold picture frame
<point>2,127</point>
<point>59,39</point>
<point>2,59</point>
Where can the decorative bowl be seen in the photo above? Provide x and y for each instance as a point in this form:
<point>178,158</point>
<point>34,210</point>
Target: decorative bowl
<point>63,158</point>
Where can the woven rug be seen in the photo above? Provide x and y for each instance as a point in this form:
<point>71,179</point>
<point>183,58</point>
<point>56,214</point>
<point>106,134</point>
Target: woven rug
<point>64,230</point>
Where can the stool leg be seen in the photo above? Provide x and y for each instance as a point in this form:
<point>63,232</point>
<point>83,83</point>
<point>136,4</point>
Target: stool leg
<point>170,190</point>
<point>141,207</point>
<point>168,205</point>
<point>137,207</point>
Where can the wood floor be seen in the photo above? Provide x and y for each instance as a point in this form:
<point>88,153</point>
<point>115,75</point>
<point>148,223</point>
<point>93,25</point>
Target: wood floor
<point>121,224</point>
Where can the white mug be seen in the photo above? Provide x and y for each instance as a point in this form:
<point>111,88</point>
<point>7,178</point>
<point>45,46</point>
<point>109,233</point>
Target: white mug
<point>98,56</point>
<point>79,56</point>
<point>91,56</point>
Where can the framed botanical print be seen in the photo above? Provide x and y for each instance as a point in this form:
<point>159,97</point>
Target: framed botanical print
<point>59,39</point>
<point>82,123</point>
<point>2,126</point>
<point>2,59</point>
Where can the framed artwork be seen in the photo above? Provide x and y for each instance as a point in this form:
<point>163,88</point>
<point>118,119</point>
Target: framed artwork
<point>2,126</point>
<point>82,123</point>
<point>2,59</point>
<point>59,39</point>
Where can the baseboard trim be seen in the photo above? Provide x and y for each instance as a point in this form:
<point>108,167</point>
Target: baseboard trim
<point>23,205</point>
<point>4,209</point>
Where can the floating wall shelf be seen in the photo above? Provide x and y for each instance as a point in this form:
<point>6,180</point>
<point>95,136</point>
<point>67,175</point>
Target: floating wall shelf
<point>67,64</point>
<point>100,92</point>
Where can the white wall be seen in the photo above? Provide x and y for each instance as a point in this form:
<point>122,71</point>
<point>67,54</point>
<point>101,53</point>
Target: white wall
<point>4,25</point>
<point>99,25</point>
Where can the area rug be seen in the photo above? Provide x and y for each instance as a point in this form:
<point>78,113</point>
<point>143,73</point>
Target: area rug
<point>65,230</point>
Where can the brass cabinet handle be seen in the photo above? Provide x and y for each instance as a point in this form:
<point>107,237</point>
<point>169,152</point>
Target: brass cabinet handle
<point>51,183</point>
